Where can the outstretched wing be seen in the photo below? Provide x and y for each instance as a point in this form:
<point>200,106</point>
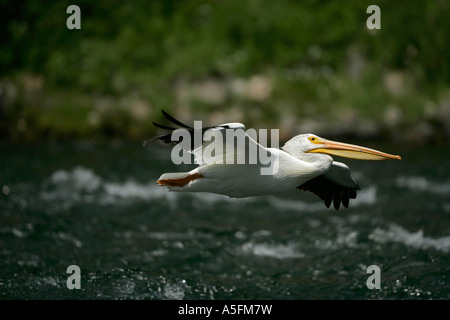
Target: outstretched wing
<point>241,144</point>
<point>336,185</point>
<point>167,136</point>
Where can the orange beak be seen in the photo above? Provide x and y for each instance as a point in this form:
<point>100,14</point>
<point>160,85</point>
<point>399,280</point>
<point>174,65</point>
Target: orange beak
<point>352,151</point>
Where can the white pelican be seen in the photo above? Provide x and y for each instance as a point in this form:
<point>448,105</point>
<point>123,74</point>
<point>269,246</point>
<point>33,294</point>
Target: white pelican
<point>304,162</point>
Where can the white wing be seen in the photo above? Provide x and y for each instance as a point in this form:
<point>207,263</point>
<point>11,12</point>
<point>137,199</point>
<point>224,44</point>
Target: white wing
<point>223,144</point>
<point>229,144</point>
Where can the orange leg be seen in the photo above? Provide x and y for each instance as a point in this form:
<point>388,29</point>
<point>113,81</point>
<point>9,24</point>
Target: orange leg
<point>179,182</point>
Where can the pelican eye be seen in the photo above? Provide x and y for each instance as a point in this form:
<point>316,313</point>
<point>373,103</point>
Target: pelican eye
<point>314,140</point>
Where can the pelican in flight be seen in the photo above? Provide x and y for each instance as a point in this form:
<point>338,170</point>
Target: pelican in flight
<point>304,163</point>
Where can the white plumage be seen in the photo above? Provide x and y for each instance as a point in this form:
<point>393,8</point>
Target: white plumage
<point>304,162</point>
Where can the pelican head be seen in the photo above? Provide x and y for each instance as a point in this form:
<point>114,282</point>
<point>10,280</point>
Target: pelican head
<point>310,143</point>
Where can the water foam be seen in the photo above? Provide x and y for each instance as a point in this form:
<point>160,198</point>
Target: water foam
<point>80,178</point>
<point>366,196</point>
<point>278,251</point>
<point>297,205</point>
<point>423,184</point>
<point>344,239</point>
<point>173,291</point>
<point>83,185</point>
<point>415,240</point>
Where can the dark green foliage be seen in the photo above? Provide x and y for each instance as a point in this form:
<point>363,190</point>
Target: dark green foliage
<point>145,48</point>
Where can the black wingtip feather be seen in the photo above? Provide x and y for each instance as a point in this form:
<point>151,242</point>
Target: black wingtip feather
<point>337,196</point>
<point>167,137</point>
<point>330,192</point>
<point>175,121</point>
<point>345,198</point>
<point>161,126</point>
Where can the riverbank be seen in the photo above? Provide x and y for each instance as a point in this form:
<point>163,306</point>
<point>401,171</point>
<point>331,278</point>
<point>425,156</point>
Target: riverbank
<point>334,105</point>
<point>300,66</point>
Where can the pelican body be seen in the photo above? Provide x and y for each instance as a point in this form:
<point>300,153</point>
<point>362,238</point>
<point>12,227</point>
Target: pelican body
<point>305,162</point>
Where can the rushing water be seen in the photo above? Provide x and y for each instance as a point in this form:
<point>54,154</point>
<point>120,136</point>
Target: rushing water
<point>98,207</point>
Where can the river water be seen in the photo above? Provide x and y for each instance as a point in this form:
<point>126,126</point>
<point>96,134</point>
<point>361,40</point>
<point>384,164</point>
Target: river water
<point>98,207</point>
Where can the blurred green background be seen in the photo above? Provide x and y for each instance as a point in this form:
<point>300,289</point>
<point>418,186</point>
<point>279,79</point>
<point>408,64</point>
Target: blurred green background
<point>301,66</point>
